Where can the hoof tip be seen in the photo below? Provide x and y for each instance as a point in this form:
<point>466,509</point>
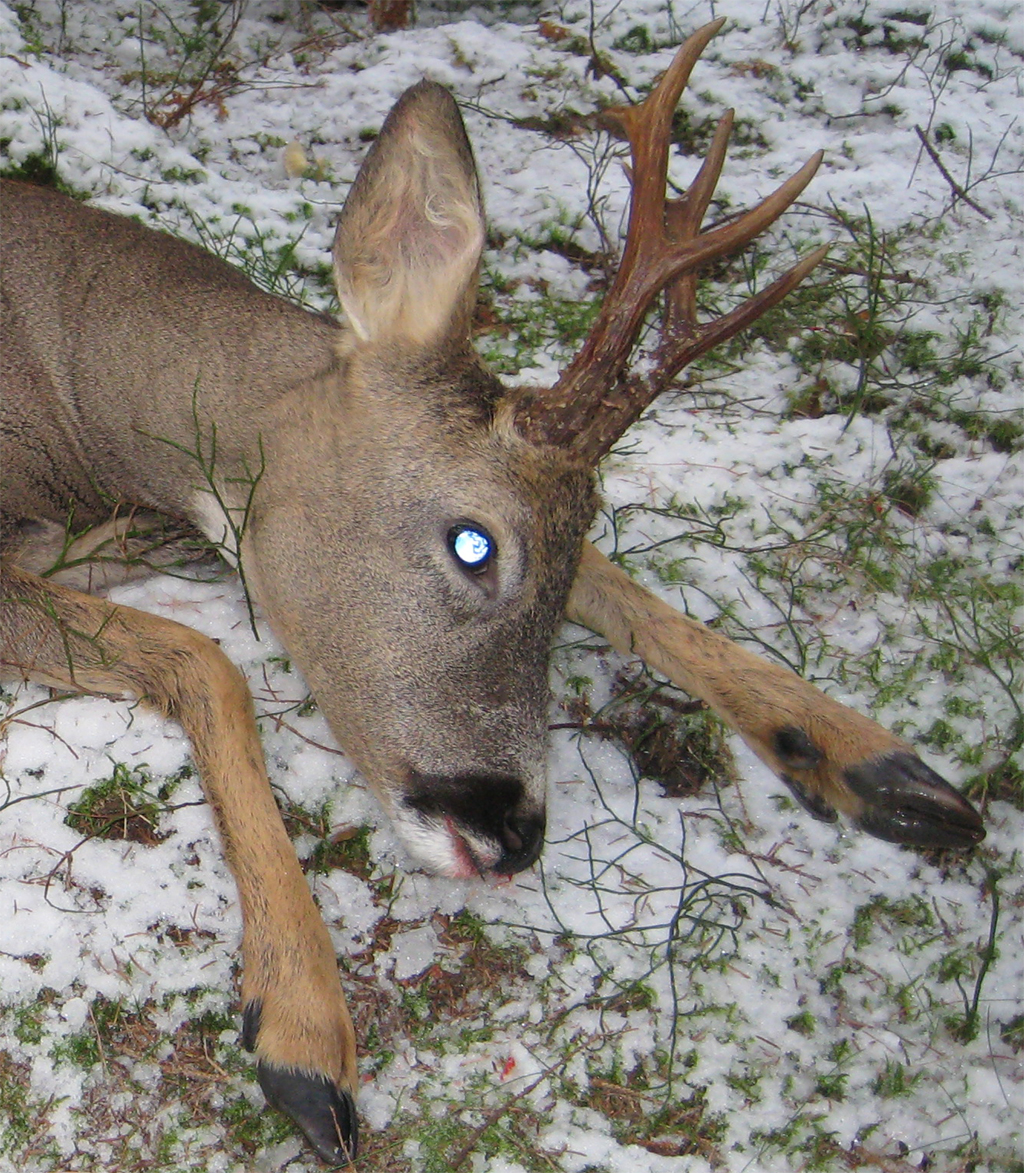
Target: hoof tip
<point>907,802</point>
<point>325,1113</point>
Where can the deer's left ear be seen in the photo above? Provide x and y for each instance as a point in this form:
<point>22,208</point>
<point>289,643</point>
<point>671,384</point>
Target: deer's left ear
<point>408,242</point>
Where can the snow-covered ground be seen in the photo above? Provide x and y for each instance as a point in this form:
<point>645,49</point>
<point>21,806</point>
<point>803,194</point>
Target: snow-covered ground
<point>700,983</point>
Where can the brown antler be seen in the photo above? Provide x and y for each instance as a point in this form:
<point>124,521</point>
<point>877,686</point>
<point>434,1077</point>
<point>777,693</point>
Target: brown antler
<point>597,397</point>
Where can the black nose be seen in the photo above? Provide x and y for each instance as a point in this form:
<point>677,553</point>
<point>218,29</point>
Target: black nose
<point>491,806</point>
<point>523,839</point>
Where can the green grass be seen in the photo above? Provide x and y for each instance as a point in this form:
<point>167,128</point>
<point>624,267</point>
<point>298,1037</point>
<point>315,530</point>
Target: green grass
<point>126,805</point>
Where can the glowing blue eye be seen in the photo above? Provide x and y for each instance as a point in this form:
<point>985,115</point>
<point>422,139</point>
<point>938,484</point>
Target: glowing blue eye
<point>472,547</point>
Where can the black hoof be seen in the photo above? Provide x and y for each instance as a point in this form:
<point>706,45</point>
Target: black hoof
<point>325,1113</point>
<point>906,802</point>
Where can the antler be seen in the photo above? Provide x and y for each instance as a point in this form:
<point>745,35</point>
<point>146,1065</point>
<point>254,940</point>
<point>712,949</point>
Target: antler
<point>597,397</point>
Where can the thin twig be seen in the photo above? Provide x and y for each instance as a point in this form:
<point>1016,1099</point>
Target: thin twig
<point>506,1105</point>
<point>491,1118</point>
<point>957,189</point>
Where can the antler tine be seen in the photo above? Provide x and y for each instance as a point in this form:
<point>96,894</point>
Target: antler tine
<point>648,126</point>
<point>729,237</point>
<point>683,218</point>
<point>596,398</point>
<point>690,340</point>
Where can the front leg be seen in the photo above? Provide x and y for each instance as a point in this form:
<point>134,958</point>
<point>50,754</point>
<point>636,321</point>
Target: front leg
<point>831,757</point>
<point>294,1017</point>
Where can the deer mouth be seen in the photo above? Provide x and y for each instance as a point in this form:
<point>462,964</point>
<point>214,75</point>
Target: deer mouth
<point>469,866</point>
<point>467,827</point>
<point>440,845</point>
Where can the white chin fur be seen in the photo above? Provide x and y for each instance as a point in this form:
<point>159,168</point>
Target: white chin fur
<point>437,847</point>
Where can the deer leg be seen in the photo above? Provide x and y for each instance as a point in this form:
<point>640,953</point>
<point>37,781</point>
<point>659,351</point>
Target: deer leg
<point>294,1016</point>
<point>831,757</point>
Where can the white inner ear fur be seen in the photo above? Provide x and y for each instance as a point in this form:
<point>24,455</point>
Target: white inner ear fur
<point>409,252</point>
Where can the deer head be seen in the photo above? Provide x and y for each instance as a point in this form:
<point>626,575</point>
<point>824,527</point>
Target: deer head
<point>410,501</point>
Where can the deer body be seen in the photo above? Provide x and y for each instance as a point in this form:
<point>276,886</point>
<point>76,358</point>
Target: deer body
<point>77,328</point>
<point>412,530</point>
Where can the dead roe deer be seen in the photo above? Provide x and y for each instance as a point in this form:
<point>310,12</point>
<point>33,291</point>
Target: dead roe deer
<point>413,531</point>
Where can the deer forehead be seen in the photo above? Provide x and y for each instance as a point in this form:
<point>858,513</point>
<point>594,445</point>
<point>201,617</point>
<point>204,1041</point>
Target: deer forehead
<point>416,476</point>
<point>412,433</point>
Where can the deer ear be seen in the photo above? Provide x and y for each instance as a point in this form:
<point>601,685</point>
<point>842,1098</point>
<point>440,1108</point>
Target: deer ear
<point>407,247</point>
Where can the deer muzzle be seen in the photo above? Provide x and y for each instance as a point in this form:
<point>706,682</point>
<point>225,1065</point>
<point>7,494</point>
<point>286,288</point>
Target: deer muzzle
<point>471,825</point>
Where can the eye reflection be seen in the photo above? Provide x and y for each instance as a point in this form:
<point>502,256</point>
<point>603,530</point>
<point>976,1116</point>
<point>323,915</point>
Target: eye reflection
<point>472,547</point>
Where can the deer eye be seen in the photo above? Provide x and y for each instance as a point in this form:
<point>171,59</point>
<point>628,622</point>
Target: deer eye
<point>471,546</point>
